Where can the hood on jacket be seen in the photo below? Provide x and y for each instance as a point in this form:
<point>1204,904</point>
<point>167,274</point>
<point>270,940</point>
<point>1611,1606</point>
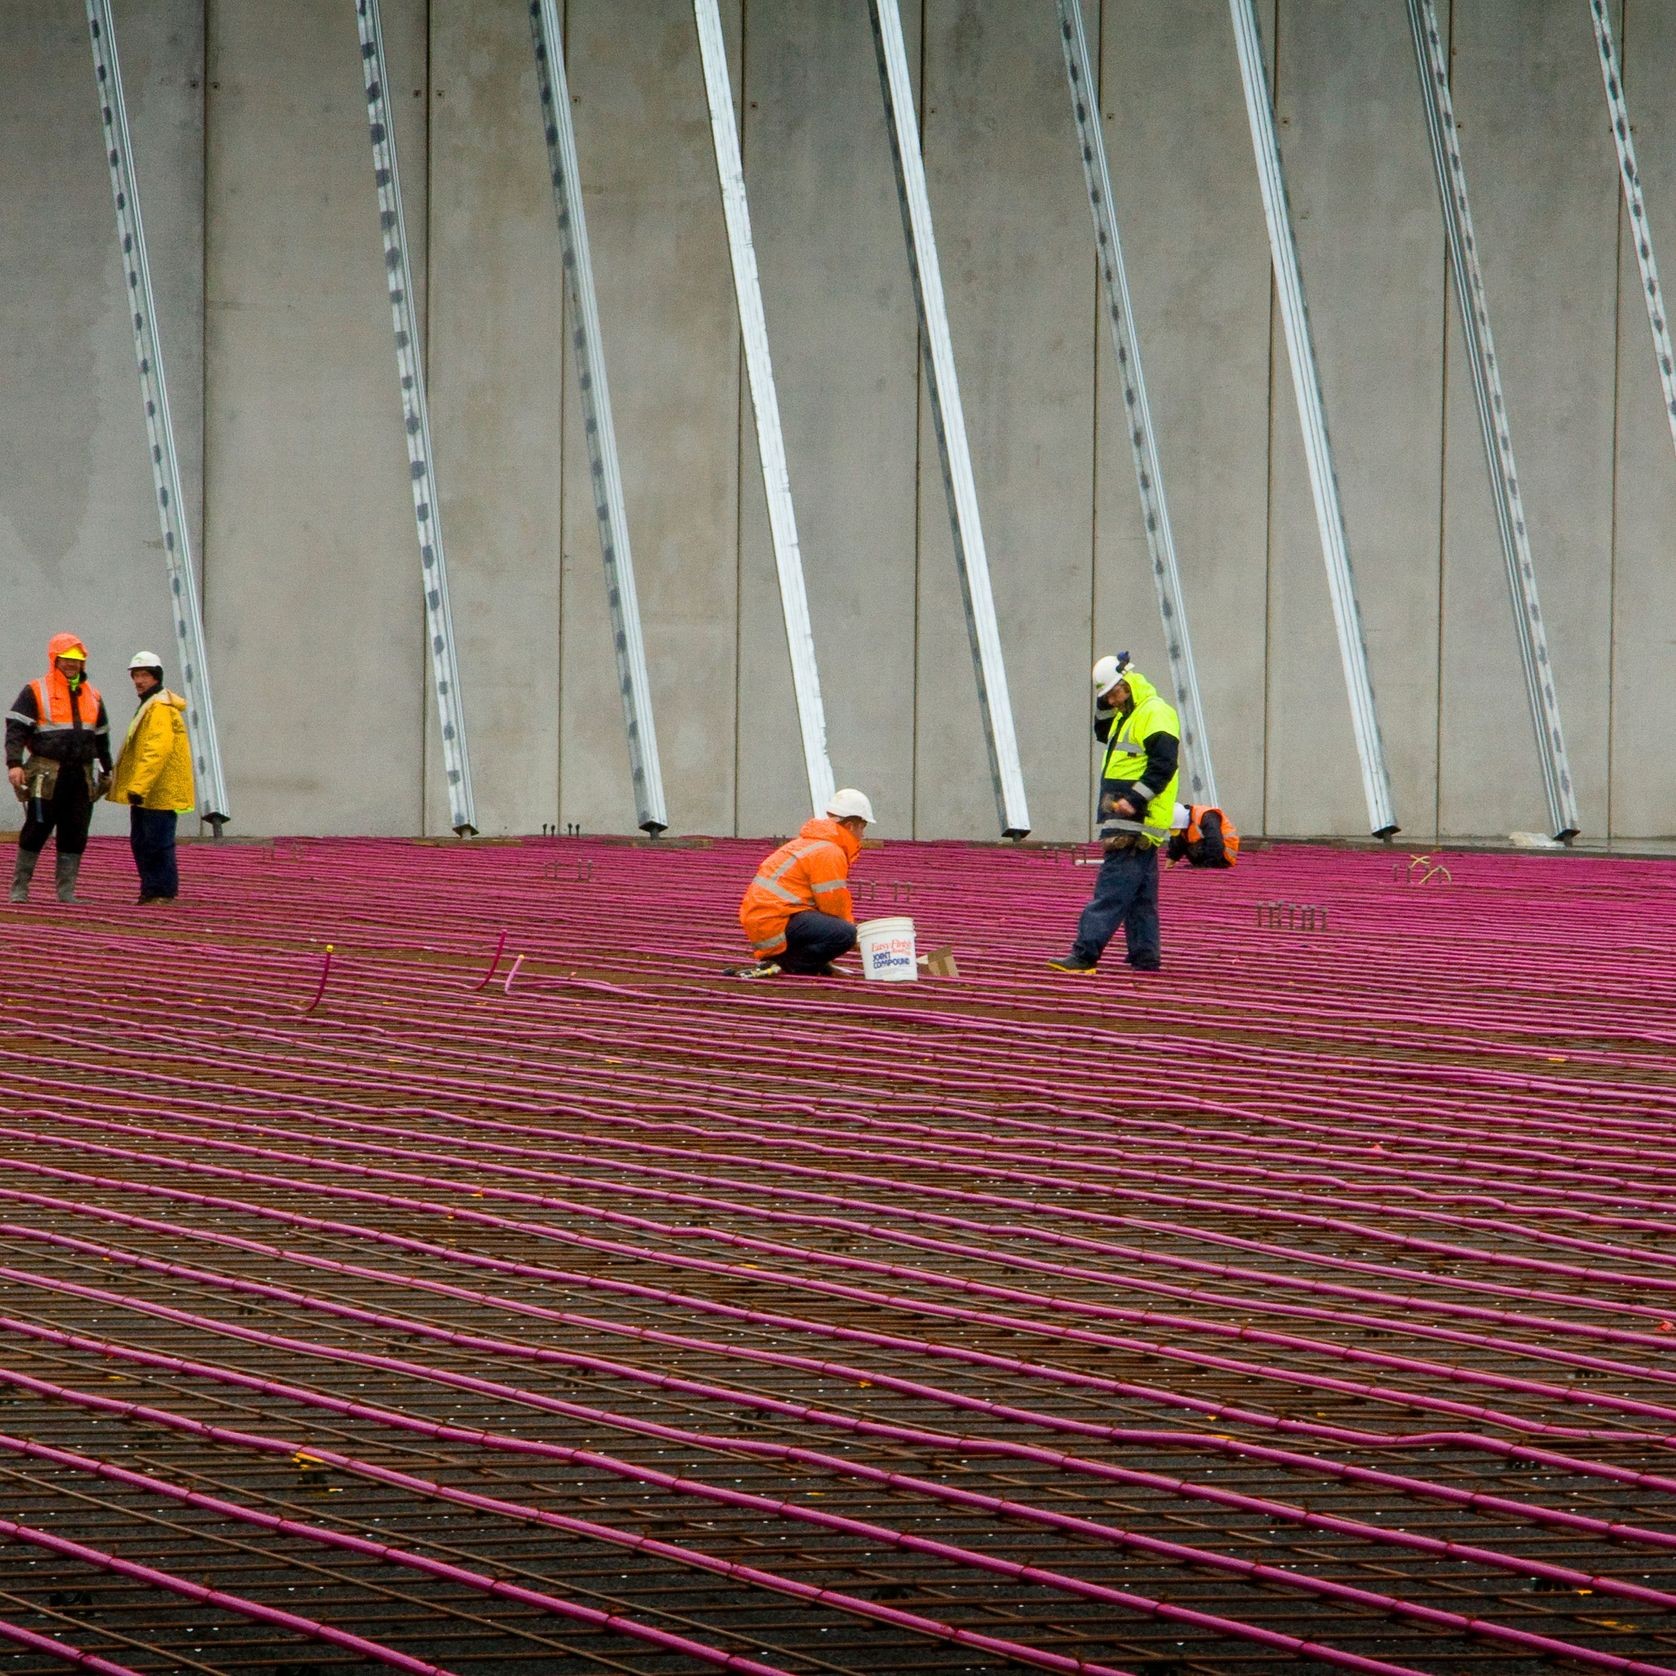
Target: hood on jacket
<point>823,826</point>
<point>1141,690</point>
<point>162,695</point>
<point>61,645</point>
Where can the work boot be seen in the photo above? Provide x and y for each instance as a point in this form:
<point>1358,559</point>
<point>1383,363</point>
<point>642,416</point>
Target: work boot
<point>1073,964</point>
<point>23,873</point>
<point>68,867</point>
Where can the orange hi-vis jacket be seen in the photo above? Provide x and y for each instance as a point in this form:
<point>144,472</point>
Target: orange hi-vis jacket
<point>812,871</point>
<point>58,712</point>
<point>1195,829</point>
<point>59,709</point>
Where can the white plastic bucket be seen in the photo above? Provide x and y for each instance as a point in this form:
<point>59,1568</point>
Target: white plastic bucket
<point>887,949</point>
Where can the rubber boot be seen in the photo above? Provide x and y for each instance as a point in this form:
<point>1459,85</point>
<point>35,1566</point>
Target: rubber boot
<point>23,873</point>
<point>68,867</point>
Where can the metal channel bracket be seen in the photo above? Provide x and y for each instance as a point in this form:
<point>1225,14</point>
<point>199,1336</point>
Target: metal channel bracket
<point>759,367</point>
<point>606,476</point>
<point>160,430</point>
<point>1432,63</point>
<point>1641,231</point>
<point>427,510</point>
<point>943,388</point>
<point>1312,416</point>
<point>1197,771</point>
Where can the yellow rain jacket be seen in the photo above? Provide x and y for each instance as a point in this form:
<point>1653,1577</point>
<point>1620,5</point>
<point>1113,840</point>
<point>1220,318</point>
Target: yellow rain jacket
<point>156,759</point>
<point>1129,757</point>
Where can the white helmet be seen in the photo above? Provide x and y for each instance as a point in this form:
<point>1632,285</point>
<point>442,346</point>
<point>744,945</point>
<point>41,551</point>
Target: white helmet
<point>145,660</point>
<point>1181,817</point>
<point>850,804</point>
<point>1108,671</point>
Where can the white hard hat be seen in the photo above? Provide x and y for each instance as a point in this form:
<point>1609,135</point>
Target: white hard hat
<point>1108,671</point>
<point>145,660</point>
<point>850,804</point>
<point>1181,818</point>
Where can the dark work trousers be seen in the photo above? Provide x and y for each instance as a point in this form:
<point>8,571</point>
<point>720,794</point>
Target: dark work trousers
<point>69,812</point>
<point>151,836</point>
<point>814,939</point>
<point>1126,894</point>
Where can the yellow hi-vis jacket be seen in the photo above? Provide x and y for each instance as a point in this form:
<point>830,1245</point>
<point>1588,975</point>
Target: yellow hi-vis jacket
<point>1126,761</point>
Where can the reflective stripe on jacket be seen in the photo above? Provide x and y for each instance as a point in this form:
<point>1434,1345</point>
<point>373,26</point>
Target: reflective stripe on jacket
<point>1126,759</point>
<point>1230,834</point>
<point>1204,842</point>
<point>61,712</point>
<point>156,759</point>
<point>811,871</point>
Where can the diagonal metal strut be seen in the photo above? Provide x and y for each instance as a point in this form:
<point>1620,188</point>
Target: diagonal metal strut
<point>1197,772</point>
<point>1431,60</point>
<point>160,431</point>
<point>943,389</point>
<point>765,403</point>
<point>1312,416</point>
<point>605,470</point>
<point>1635,202</point>
<point>416,420</point>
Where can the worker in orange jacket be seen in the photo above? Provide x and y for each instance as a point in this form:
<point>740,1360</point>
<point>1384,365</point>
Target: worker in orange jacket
<point>1202,836</point>
<point>58,759</point>
<point>797,914</point>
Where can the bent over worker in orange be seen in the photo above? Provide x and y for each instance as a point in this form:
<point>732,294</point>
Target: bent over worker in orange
<point>797,914</point>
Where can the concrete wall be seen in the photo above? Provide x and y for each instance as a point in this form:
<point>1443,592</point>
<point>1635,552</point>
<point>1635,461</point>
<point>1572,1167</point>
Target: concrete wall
<point>256,183</point>
<point>80,547</point>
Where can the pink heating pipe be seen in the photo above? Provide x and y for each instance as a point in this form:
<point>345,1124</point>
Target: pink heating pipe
<point>1384,1148</point>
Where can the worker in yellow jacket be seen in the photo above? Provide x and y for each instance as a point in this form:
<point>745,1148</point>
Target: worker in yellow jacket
<point>1142,736</point>
<point>154,778</point>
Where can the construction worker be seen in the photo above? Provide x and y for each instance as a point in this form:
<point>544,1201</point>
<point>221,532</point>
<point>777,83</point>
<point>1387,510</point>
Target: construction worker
<point>797,914</point>
<point>58,759</point>
<point>1137,797</point>
<point>1202,836</point>
<point>154,778</point>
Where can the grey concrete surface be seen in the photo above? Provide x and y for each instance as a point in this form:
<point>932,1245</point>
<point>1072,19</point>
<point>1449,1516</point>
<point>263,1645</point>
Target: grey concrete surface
<point>666,305</point>
<point>1643,778</point>
<point>1017,259</point>
<point>80,548</point>
<point>841,323</point>
<point>1538,157</point>
<point>497,374</point>
<point>1366,215</point>
<point>312,565</point>
<point>1198,259</point>
<point>257,190</point>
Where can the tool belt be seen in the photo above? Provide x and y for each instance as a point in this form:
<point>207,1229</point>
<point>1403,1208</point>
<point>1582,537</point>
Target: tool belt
<point>1118,834</point>
<point>40,779</point>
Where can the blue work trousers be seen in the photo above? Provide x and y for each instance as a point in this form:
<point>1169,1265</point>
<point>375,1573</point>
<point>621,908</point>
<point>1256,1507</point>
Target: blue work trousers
<point>813,941</point>
<point>1126,894</point>
<point>151,836</point>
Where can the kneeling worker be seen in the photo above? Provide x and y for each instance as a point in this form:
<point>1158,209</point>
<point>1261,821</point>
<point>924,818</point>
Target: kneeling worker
<point>1202,836</point>
<point>797,913</point>
<point>1137,798</point>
